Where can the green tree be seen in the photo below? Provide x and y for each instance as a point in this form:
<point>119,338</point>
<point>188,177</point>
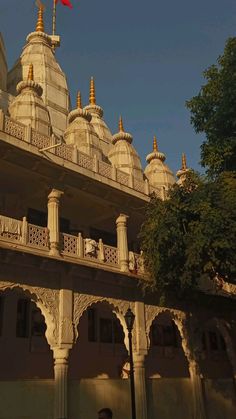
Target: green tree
<point>191,236</point>
<point>213,113</point>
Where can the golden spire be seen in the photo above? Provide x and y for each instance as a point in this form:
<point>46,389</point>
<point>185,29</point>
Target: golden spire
<point>92,95</point>
<point>79,101</point>
<point>184,164</point>
<point>121,126</point>
<point>155,148</point>
<point>40,24</point>
<point>31,72</point>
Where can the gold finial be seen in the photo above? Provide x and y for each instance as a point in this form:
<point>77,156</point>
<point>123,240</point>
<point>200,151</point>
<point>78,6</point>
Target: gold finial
<point>121,126</point>
<point>92,96</point>
<point>79,101</point>
<point>184,164</point>
<point>31,72</point>
<point>155,148</point>
<point>40,24</point>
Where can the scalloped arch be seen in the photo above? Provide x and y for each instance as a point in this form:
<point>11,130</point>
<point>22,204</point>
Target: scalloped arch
<point>42,298</point>
<point>83,301</point>
<point>179,319</point>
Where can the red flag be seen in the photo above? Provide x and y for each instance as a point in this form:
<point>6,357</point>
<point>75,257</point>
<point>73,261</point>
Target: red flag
<point>66,3</point>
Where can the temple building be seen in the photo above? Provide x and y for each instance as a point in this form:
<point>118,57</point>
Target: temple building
<point>72,200</point>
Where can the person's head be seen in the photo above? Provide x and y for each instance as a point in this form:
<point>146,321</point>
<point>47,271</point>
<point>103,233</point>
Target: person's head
<point>105,413</point>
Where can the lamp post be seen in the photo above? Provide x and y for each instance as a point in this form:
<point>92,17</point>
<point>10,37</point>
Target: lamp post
<point>129,319</point>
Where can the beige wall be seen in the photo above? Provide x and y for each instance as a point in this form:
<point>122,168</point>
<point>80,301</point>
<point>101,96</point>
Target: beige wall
<point>30,399</point>
<point>220,398</point>
<point>86,397</point>
<point>169,398</point>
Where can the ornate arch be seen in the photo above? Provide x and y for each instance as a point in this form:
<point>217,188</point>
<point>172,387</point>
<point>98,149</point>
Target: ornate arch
<point>46,299</point>
<point>83,301</point>
<point>224,328</point>
<point>179,318</point>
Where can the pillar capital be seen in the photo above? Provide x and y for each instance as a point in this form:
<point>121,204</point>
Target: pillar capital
<point>122,219</point>
<point>60,353</point>
<point>55,194</point>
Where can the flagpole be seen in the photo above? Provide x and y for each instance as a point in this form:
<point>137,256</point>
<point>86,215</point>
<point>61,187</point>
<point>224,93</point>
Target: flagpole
<point>54,14</point>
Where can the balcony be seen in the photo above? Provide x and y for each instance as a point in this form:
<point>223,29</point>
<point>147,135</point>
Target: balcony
<point>28,139</point>
<point>23,236</point>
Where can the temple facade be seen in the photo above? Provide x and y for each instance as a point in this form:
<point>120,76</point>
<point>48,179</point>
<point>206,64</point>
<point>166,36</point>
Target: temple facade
<point>72,200</point>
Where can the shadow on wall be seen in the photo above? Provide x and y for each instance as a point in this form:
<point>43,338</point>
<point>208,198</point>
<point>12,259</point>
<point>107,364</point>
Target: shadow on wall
<point>220,398</point>
<point>169,398</point>
<point>99,351</point>
<point>87,396</point>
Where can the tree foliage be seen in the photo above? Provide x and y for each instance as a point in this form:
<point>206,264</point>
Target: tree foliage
<point>213,113</point>
<point>191,236</point>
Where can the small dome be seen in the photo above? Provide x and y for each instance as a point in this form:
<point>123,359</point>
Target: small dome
<point>97,121</point>
<point>181,174</point>
<point>47,72</point>
<point>123,155</point>
<point>81,132</point>
<point>28,107</point>
<point>157,172</point>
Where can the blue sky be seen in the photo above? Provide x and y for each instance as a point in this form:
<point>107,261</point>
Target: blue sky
<point>147,58</point>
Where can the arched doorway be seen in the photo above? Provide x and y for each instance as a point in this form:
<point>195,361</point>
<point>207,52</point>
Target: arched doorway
<point>95,364</point>
<point>26,361</point>
<point>169,385</point>
<point>217,370</point>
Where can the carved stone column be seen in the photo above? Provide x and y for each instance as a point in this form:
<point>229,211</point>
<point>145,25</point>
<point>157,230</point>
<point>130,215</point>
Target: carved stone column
<point>140,352</point>
<point>140,386</point>
<point>60,382</point>
<point>53,221</point>
<point>122,242</point>
<point>199,408</point>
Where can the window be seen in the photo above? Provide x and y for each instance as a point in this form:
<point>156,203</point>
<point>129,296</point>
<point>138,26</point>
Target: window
<point>92,325</point>
<point>212,341</point>
<point>1,313</point>
<point>104,329</point>
<point>118,331</point>
<point>38,326</point>
<point>164,335</point>
<point>22,318</point>
<point>222,343</point>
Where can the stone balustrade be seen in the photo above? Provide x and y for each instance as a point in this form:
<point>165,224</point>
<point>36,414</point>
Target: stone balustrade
<point>71,154</point>
<point>20,234</point>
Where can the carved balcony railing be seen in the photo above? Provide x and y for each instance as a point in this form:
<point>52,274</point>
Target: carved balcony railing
<point>21,234</point>
<point>71,154</point>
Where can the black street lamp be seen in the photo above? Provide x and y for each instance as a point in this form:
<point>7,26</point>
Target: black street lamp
<point>129,319</point>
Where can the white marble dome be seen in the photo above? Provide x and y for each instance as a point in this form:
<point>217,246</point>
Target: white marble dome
<point>98,122</point>
<point>123,155</point>
<point>81,132</point>
<point>47,72</point>
<point>28,106</point>
<point>156,171</point>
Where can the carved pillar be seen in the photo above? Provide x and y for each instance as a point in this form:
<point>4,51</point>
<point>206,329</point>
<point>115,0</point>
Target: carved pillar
<point>60,377</point>
<point>140,386</point>
<point>53,221</point>
<point>199,409</point>
<point>122,242</point>
<point>61,352</point>
<point>140,352</point>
